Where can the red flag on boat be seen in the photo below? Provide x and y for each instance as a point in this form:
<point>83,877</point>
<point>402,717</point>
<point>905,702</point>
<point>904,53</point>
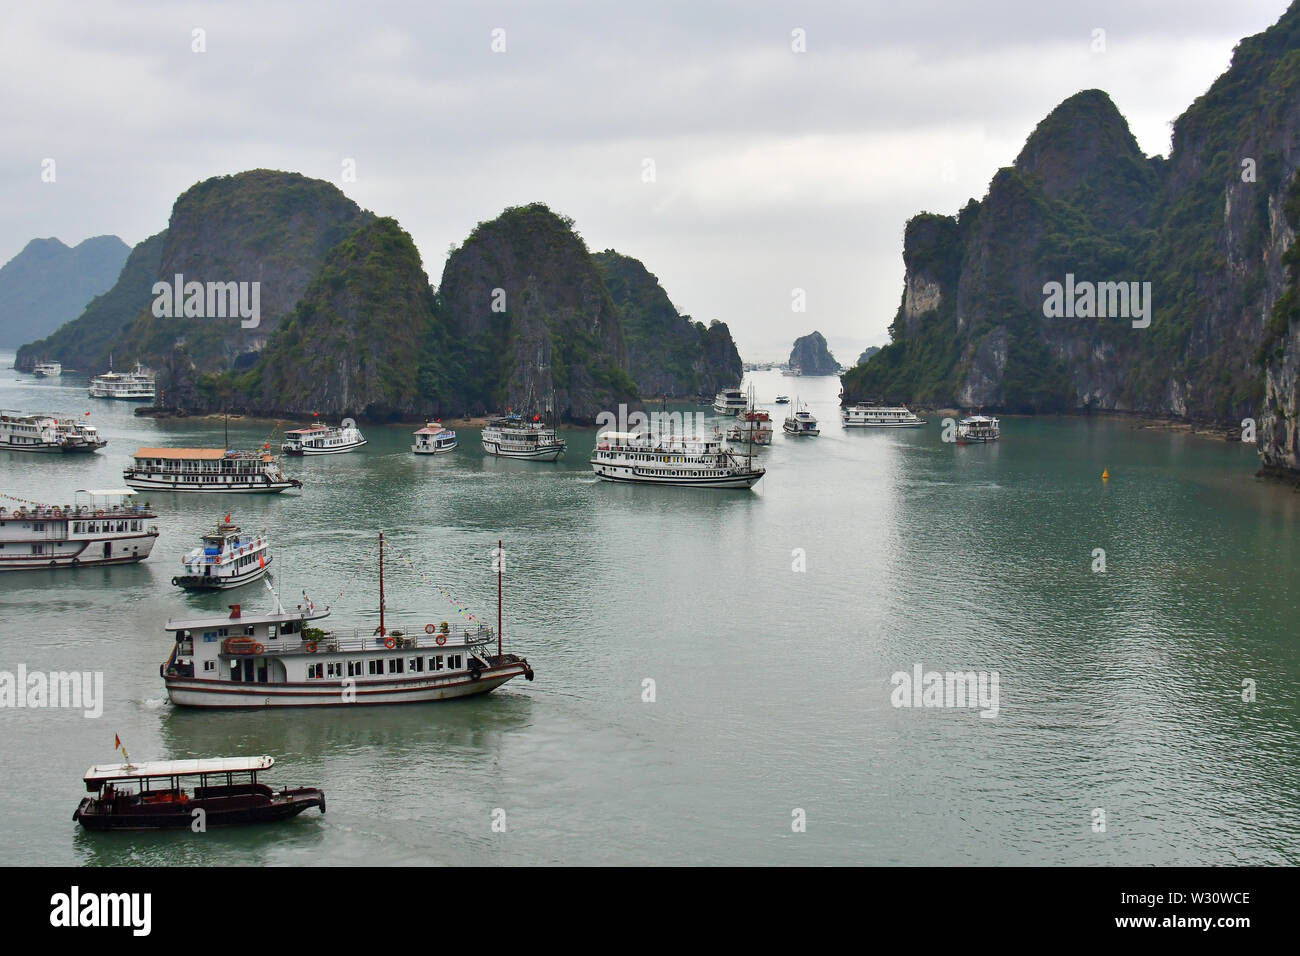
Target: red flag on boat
<point>117,742</point>
<point>227,519</point>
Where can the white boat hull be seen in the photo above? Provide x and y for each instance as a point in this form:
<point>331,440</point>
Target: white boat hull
<point>128,549</point>
<point>427,450</point>
<point>335,450</point>
<point>629,474</point>
<point>798,432</point>
<point>235,487</point>
<point>212,582</point>
<point>187,692</point>
<point>545,453</point>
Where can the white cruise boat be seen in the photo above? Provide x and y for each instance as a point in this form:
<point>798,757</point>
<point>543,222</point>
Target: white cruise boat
<point>100,527</point>
<point>433,439</point>
<point>802,422</point>
<point>47,370</point>
<point>227,558</point>
<point>46,433</point>
<point>284,659</point>
<point>137,386</point>
<point>509,436</point>
<point>322,440</point>
<point>978,428</point>
<point>207,470</point>
<point>783,399</point>
<point>752,425</point>
<point>880,416</point>
<point>638,458</point>
<point>730,401</point>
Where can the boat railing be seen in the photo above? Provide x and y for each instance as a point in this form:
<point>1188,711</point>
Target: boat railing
<point>360,639</point>
<point>79,512</point>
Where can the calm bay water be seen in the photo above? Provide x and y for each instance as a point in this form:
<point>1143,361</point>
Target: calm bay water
<point>1119,691</point>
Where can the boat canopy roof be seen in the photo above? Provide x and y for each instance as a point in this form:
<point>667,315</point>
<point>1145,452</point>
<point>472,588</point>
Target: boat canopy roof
<point>308,429</point>
<point>430,430</point>
<point>623,438</point>
<point>176,768</point>
<point>106,492</point>
<point>244,620</point>
<point>206,454</point>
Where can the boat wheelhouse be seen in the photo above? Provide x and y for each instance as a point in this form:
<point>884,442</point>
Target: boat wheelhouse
<point>638,458</point>
<point>978,428</point>
<point>282,659</point>
<point>100,527</point>
<point>433,439</point>
<point>207,470</point>
<point>136,386</point>
<point>227,558</point>
<point>801,423</point>
<point>47,433</point>
<point>880,416</point>
<point>730,401</point>
<point>322,440</point>
<point>509,436</point>
<point>47,370</point>
<point>167,794</point>
<point>753,425</point>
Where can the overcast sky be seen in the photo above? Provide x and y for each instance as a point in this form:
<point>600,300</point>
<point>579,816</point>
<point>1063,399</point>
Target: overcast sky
<point>774,170</point>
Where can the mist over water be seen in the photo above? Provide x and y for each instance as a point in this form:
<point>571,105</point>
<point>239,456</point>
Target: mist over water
<point>1119,691</point>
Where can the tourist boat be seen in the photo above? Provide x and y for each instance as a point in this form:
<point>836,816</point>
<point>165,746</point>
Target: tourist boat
<point>978,428</point>
<point>282,659</point>
<point>783,399</point>
<point>433,439</point>
<point>730,401</point>
<point>322,440</point>
<point>879,416</point>
<point>168,794</point>
<point>47,433</point>
<point>207,470</point>
<point>227,559</point>
<point>100,527</point>
<point>792,370</point>
<point>47,370</point>
<point>136,386</point>
<point>509,436</point>
<point>638,458</point>
<point>753,425</point>
<point>802,422</point>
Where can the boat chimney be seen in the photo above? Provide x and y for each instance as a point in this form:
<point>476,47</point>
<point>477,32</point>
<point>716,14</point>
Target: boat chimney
<point>234,611</point>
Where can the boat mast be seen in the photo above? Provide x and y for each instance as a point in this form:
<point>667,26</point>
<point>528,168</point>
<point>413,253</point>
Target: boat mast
<point>382,631</point>
<point>500,561</point>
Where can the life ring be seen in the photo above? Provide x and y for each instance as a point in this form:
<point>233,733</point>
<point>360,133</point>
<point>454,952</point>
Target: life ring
<point>99,513</point>
<point>76,561</point>
<point>429,628</point>
<point>311,647</point>
<point>442,639</point>
<point>176,582</point>
<point>390,642</point>
<point>258,648</point>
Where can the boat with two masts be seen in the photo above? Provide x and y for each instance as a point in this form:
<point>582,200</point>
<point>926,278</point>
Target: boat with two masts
<point>801,423</point>
<point>509,436</point>
<point>322,439</point>
<point>879,416</point>
<point>978,428</point>
<point>172,794</point>
<point>283,659</point>
<point>227,558</point>
<point>434,439</point>
<point>100,527</point>
<point>207,470</point>
<point>639,458</point>
<point>48,433</point>
<point>730,401</point>
<point>136,386</point>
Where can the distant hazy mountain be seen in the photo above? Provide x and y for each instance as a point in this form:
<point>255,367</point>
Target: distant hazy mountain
<point>48,283</point>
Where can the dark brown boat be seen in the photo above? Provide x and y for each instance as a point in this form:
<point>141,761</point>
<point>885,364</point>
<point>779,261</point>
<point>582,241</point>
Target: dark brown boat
<point>153,796</point>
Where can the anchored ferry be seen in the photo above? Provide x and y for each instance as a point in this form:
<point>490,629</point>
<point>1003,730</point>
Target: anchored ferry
<point>637,458</point>
<point>433,439</point>
<point>137,386</point>
<point>752,425</point>
<point>227,558</point>
<point>880,416</point>
<point>802,422</point>
<point>101,527</point>
<point>46,433</point>
<point>282,659</point>
<point>730,401</point>
<point>47,370</point>
<point>322,440</point>
<point>207,470</point>
<point>509,436</point>
<point>978,428</point>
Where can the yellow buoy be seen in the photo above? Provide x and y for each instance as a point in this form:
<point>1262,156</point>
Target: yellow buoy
<point>1105,475</point>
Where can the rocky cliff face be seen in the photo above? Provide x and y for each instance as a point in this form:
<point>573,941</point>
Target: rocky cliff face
<point>1279,426</point>
<point>869,351</point>
<point>1081,207</point>
<point>48,284</point>
<point>530,322</point>
<point>812,356</point>
<point>668,354</point>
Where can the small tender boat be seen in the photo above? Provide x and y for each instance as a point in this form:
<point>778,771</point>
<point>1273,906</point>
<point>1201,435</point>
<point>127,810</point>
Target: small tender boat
<point>802,422</point>
<point>880,416</point>
<point>226,559</point>
<point>730,401</point>
<point>175,794</point>
<point>978,428</point>
<point>783,399</point>
<point>322,440</point>
<point>509,436</point>
<point>433,439</point>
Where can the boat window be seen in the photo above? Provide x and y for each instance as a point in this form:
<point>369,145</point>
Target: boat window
<point>396,665</point>
<point>315,671</point>
<point>376,666</point>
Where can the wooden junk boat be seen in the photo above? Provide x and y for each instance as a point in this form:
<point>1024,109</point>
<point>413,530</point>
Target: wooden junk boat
<point>154,795</point>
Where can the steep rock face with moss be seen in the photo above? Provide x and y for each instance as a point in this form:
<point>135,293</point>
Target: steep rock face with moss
<point>811,356</point>
<point>1205,228</point>
<point>668,353</point>
<point>530,323</point>
<point>86,342</point>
